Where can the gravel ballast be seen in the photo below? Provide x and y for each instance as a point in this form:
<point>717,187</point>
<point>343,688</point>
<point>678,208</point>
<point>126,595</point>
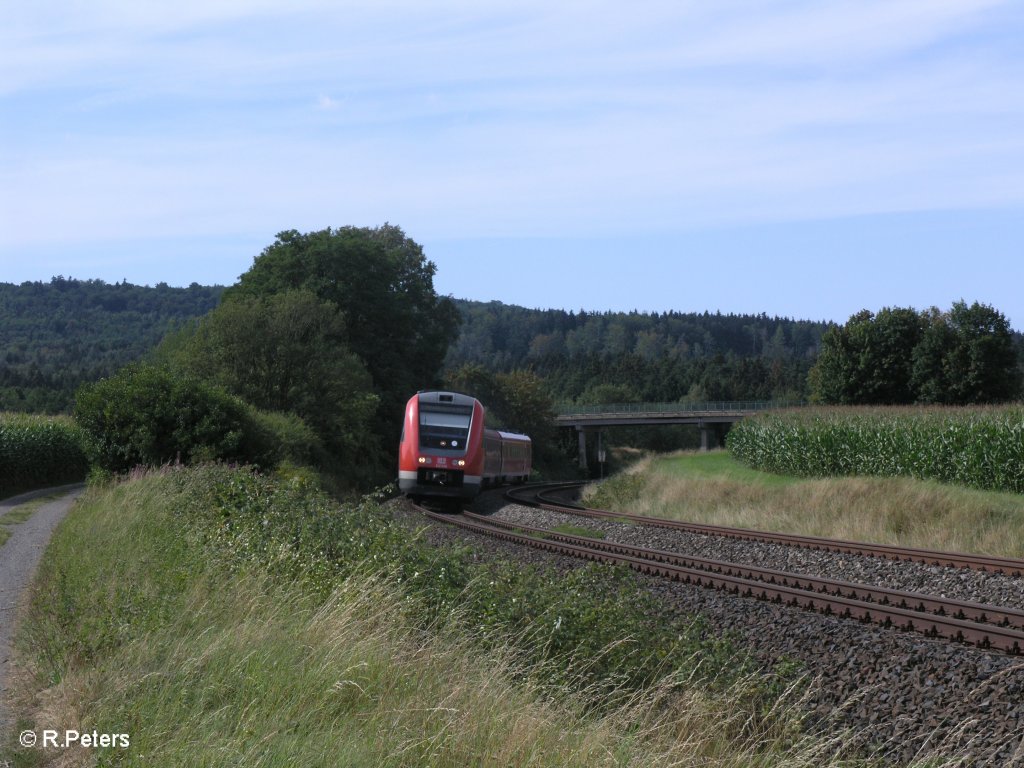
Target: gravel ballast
<point>905,695</point>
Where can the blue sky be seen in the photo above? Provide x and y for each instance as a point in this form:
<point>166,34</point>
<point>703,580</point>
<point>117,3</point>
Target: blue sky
<point>795,157</point>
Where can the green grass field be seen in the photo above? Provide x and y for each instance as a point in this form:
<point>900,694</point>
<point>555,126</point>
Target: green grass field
<point>720,465</point>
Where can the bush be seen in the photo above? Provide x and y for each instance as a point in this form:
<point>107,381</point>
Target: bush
<point>146,415</point>
<point>976,447</point>
<point>271,438</point>
<point>36,451</point>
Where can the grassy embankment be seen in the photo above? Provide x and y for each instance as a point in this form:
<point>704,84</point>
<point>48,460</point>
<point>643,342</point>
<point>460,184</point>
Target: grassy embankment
<point>716,488</point>
<point>223,619</point>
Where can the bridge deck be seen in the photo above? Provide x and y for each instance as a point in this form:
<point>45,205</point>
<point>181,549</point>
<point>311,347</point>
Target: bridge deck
<point>580,416</point>
<point>706,416</point>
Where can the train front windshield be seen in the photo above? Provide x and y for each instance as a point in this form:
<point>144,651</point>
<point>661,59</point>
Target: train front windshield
<point>445,426</point>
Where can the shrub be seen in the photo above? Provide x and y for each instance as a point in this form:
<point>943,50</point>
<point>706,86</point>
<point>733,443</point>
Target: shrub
<point>36,451</point>
<point>146,415</point>
<point>271,438</point>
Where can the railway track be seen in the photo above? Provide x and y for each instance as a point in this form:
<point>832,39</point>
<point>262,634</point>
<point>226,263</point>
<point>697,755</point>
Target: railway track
<point>985,626</point>
<point>553,496</point>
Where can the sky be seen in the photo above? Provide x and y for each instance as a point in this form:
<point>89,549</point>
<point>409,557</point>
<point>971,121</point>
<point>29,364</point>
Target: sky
<point>800,158</point>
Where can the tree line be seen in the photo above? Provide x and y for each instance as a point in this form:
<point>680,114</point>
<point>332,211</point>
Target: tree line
<point>897,356</point>
<point>310,357</point>
<point>58,335</point>
<point>671,356</point>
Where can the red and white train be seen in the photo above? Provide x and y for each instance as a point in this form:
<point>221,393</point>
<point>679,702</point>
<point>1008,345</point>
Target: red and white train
<point>446,451</point>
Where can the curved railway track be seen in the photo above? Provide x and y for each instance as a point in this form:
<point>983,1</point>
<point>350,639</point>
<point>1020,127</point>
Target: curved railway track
<point>552,496</point>
<point>985,626</point>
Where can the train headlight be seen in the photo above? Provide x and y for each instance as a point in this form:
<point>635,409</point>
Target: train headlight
<point>423,459</point>
<point>461,462</point>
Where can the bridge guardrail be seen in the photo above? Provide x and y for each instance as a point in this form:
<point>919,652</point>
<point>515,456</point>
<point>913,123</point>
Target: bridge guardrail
<point>568,410</point>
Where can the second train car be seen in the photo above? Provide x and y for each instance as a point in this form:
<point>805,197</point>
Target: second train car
<point>446,451</point>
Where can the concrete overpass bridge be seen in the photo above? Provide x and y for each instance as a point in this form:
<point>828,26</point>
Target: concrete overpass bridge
<point>710,418</point>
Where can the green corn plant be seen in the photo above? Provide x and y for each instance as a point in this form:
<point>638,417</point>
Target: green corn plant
<point>979,447</point>
<point>36,451</point>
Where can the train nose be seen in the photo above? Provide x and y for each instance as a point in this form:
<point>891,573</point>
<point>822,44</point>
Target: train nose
<point>441,477</point>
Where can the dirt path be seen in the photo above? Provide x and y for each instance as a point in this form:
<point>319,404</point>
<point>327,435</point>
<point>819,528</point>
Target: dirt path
<point>19,557</point>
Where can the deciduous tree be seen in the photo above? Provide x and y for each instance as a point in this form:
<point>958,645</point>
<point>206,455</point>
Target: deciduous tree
<point>395,322</point>
<point>898,356</point>
<point>287,352</point>
<point>981,364</point>
<point>379,278</point>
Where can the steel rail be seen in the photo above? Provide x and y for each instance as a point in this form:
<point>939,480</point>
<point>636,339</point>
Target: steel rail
<point>914,601</point>
<point>1008,639</point>
<point>541,497</point>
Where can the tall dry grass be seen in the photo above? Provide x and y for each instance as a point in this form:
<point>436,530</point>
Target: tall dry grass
<point>713,488</point>
<point>133,630</point>
<point>262,677</point>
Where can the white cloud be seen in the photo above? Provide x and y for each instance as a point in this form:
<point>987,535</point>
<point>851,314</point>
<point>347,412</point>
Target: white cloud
<point>848,32</point>
<point>473,119</point>
<point>327,103</point>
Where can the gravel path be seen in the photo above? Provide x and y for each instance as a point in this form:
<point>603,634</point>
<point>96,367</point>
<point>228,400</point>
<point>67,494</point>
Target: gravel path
<point>19,557</point>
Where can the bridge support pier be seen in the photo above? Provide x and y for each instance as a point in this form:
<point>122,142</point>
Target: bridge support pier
<point>582,433</point>
<point>712,435</point>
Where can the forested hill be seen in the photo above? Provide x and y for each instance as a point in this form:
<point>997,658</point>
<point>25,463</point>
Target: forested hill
<point>56,335</point>
<point>667,356</point>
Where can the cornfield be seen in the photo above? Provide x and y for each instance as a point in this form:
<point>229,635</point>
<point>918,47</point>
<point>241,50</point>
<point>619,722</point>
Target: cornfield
<point>36,451</point>
<point>975,447</point>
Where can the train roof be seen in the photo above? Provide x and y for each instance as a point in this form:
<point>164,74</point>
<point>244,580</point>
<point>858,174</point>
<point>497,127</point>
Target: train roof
<point>441,397</point>
<point>445,397</point>
<point>513,436</point>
